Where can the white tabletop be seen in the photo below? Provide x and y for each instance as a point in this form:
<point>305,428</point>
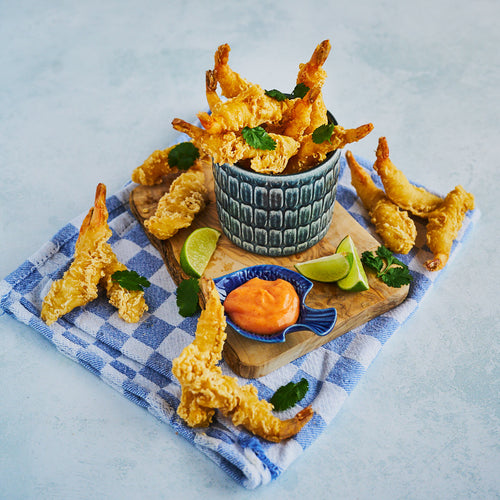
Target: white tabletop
<point>89,89</point>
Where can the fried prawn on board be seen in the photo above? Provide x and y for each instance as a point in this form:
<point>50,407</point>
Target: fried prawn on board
<point>312,74</point>
<point>205,388</point>
<point>230,147</point>
<point>443,226</point>
<point>394,226</point>
<point>178,207</point>
<point>399,189</point>
<point>154,168</point>
<point>93,261</point>
<point>311,153</point>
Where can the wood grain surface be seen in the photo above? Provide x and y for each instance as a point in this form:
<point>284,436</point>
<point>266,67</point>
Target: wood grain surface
<point>250,358</point>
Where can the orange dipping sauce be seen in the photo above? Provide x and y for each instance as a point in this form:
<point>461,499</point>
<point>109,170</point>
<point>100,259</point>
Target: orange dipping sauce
<point>263,307</point>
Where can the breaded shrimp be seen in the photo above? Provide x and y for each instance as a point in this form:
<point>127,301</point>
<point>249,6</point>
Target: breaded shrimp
<point>299,117</point>
<point>205,388</point>
<point>312,74</point>
<point>178,207</point>
<point>443,225</point>
<point>94,260</point>
<point>395,227</point>
<point>311,154</point>
<point>230,147</point>
<point>231,83</point>
<point>154,168</point>
<point>398,188</point>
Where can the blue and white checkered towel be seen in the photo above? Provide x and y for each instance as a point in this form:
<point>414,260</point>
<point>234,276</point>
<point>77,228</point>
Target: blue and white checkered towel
<point>136,359</point>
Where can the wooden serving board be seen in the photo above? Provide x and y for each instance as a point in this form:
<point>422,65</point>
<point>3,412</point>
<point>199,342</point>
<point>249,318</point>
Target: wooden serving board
<point>250,358</point>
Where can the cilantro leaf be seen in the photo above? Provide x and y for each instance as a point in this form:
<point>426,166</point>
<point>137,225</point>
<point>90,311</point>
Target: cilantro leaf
<point>130,280</point>
<point>183,155</point>
<point>300,90</point>
<point>258,138</point>
<point>276,94</point>
<point>323,133</point>
<point>289,395</point>
<point>187,297</point>
<point>389,268</point>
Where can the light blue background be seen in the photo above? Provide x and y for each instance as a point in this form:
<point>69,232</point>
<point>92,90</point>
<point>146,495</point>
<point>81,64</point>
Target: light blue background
<point>89,89</point>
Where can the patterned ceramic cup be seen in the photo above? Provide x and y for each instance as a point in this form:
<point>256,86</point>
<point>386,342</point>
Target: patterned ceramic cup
<point>276,215</point>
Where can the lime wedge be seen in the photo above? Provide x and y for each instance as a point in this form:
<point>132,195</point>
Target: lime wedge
<point>197,250</point>
<point>327,269</point>
<point>356,280</point>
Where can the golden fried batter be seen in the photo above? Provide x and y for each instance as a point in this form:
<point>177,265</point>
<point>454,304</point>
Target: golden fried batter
<point>205,388</point>
<point>395,227</point>
<point>231,83</point>
<point>154,168</point>
<point>311,154</point>
<point>178,207</point>
<point>312,74</point>
<point>94,260</point>
<point>398,188</point>
<point>230,147</point>
<point>443,226</point>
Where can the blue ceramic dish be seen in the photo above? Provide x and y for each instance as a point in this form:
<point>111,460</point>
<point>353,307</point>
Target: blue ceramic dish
<point>319,321</point>
<point>276,215</point>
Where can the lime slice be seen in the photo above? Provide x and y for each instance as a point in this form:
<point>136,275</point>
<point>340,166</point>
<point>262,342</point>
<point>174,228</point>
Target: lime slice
<point>327,269</point>
<point>197,250</point>
<point>356,280</point>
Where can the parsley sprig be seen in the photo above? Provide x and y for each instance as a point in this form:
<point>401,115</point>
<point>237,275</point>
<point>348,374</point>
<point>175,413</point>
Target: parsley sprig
<point>130,280</point>
<point>183,155</point>
<point>300,90</point>
<point>187,297</point>
<point>289,395</point>
<point>389,269</point>
<point>258,138</point>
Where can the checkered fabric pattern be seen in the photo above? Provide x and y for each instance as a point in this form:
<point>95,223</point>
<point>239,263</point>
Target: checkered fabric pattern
<point>136,359</point>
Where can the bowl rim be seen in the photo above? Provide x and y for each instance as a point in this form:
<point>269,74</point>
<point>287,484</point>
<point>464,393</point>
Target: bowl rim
<point>280,177</point>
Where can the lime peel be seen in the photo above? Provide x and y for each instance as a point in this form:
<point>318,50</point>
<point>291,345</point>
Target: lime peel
<point>356,280</point>
<point>326,269</point>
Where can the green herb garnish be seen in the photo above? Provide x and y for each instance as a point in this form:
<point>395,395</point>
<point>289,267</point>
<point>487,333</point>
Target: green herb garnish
<point>323,133</point>
<point>183,155</point>
<point>298,92</point>
<point>389,269</point>
<point>130,280</point>
<point>289,395</point>
<point>258,138</point>
<point>187,297</point>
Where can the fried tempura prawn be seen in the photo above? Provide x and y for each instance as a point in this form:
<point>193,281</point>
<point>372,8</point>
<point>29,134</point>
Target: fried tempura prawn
<point>178,207</point>
<point>93,261</point>
<point>398,188</point>
<point>311,154</point>
<point>231,83</point>
<point>443,226</point>
<point>205,388</point>
<point>395,227</point>
<point>312,74</point>
<point>154,168</point>
<point>230,147</point>
<point>249,108</point>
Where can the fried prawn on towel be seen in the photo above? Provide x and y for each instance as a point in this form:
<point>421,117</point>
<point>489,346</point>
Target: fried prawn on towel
<point>311,154</point>
<point>399,189</point>
<point>205,388</point>
<point>394,226</point>
<point>312,74</point>
<point>178,207</point>
<point>230,147</point>
<point>93,261</point>
<point>250,108</point>
<point>443,226</point>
